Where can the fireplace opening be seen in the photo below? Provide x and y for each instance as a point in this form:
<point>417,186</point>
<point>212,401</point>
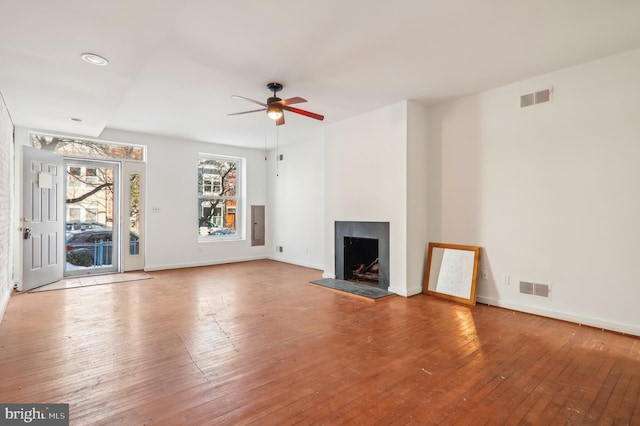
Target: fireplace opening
<point>361,260</point>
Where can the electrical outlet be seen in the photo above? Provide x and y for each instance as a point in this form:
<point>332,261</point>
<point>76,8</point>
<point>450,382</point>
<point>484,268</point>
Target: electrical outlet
<point>155,209</point>
<point>506,279</point>
<point>483,274</point>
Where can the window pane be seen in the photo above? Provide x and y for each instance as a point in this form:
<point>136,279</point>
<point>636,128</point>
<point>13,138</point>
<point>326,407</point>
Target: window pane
<point>86,148</point>
<point>73,214</point>
<point>218,183</point>
<point>217,177</point>
<point>134,210</point>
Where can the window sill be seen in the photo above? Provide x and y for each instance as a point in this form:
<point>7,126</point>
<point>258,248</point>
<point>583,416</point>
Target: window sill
<point>219,238</point>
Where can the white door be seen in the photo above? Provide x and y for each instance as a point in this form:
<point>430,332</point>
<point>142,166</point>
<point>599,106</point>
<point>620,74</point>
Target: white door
<point>42,218</point>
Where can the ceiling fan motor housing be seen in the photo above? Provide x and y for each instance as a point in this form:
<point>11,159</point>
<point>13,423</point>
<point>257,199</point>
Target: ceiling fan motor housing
<point>274,87</point>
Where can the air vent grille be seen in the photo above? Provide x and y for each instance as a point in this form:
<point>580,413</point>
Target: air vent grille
<point>534,289</point>
<point>535,98</point>
<point>527,100</point>
<point>526,287</point>
<point>541,290</point>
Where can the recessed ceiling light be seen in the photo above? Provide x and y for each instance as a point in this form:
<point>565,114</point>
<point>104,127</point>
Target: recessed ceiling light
<point>76,119</point>
<point>94,59</point>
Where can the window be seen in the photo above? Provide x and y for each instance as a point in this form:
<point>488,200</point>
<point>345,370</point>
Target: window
<point>74,214</point>
<point>218,197</point>
<point>87,148</point>
<point>211,184</point>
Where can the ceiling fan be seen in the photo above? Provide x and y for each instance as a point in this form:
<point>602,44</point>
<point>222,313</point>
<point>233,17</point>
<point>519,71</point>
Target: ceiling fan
<point>275,106</point>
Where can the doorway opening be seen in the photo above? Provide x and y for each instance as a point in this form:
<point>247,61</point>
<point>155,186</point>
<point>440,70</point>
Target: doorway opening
<point>91,212</point>
<point>78,186</point>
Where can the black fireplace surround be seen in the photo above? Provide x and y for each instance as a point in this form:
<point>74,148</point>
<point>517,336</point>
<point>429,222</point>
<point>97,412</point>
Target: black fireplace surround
<point>376,230</point>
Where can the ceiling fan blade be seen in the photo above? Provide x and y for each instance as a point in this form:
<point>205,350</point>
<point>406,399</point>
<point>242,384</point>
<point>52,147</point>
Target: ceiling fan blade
<point>248,99</point>
<point>296,100</point>
<point>247,112</point>
<point>280,121</point>
<point>303,112</point>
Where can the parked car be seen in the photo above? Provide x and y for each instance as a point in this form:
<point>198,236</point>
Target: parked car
<point>221,231</point>
<point>82,226</point>
<point>94,247</point>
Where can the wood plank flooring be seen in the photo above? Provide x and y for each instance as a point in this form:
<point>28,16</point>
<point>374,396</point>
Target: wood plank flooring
<point>254,343</point>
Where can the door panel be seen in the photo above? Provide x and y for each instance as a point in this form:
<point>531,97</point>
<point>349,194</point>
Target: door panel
<point>257,225</point>
<point>42,218</point>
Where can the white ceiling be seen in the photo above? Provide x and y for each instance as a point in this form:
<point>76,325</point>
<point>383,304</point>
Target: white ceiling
<point>175,64</point>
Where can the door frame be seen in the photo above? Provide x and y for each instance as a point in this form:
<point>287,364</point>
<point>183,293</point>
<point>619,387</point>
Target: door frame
<point>132,262</point>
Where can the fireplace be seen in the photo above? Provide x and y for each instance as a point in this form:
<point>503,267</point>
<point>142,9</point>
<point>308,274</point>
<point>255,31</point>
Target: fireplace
<point>362,252</point>
<point>361,260</point>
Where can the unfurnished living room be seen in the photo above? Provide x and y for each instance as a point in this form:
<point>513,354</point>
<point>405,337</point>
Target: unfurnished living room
<point>333,213</point>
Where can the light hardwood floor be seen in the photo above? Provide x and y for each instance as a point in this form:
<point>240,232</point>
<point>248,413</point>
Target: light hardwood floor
<point>254,343</point>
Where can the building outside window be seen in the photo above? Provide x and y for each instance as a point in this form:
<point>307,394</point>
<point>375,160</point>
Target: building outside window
<point>218,197</point>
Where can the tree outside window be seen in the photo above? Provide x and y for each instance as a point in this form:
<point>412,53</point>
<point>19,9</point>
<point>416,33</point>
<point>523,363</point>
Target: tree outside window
<point>218,196</point>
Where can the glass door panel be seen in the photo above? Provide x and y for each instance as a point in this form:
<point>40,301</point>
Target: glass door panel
<point>91,217</point>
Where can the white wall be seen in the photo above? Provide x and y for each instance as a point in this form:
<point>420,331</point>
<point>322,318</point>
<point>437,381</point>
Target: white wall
<point>417,208</point>
<point>171,176</point>
<point>7,206</point>
<point>365,180</point>
<point>172,240</point>
<point>550,191</point>
<point>295,216</point>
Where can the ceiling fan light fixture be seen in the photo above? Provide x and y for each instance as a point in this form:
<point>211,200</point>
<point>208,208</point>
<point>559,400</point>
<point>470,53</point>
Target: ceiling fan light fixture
<point>274,112</point>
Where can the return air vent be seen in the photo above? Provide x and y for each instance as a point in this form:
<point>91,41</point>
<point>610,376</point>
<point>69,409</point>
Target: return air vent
<point>541,290</point>
<point>535,98</point>
<point>526,287</point>
<point>534,289</point>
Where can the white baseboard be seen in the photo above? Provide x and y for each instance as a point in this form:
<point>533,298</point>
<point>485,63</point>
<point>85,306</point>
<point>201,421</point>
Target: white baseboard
<point>203,263</point>
<point>578,319</point>
<point>398,290</point>
<point>413,291</point>
<point>295,262</point>
<point>4,303</point>
<point>330,276</point>
<point>225,261</point>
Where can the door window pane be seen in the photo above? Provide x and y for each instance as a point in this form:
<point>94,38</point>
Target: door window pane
<point>134,211</point>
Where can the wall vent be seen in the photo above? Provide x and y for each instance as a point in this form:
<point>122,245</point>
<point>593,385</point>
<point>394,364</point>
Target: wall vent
<point>534,289</point>
<point>541,290</point>
<point>542,96</point>
<point>535,98</point>
<point>527,100</point>
<point>526,287</point>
